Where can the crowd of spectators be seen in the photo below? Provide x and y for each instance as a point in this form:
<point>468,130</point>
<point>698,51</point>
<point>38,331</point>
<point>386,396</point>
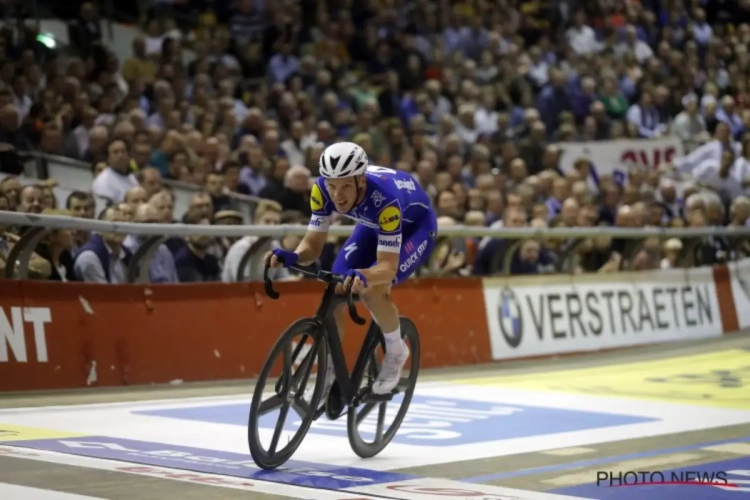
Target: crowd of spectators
<point>472,97</point>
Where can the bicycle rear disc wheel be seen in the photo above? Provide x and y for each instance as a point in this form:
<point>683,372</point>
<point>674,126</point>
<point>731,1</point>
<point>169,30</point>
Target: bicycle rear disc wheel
<point>288,384</point>
<point>370,419</point>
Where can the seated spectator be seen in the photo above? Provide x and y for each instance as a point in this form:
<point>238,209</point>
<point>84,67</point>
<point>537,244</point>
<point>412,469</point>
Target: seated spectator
<point>222,244</point>
<point>11,188</point>
<point>57,249</point>
<point>671,249</point>
<point>39,267</point>
<point>492,252</point>
<point>136,196</point>
<point>214,186</point>
<point>193,261</point>
<point>526,259</point>
<point>150,180</point>
<point>296,192</point>
<point>116,179</point>
<point>162,269</point>
<point>267,213</point>
<point>104,259</point>
<point>30,200</point>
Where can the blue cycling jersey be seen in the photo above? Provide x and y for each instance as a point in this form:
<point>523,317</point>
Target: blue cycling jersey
<point>393,202</point>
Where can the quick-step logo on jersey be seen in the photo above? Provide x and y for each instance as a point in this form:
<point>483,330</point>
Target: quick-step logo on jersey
<point>413,258</point>
<point>316,199</point>
<point>390,219</point>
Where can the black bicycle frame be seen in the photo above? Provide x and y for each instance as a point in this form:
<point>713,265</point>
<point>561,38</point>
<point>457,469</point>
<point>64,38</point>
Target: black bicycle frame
<point>347,383</point>
<point>324,318</point>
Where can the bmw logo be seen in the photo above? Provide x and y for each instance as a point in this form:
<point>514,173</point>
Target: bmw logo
<point>510,317</point>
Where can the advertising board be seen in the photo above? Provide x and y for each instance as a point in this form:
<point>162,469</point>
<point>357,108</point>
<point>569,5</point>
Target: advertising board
<point>74,335</point>
<point>533,320</point>
<point>615,157</point>
<point>740,279</point>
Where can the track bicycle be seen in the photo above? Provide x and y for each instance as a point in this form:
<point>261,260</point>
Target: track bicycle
<point>350,394</point>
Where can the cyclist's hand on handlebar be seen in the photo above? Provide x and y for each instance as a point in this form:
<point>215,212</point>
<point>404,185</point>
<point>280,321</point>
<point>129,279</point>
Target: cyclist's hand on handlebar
<point>278,257</point>
<point>355,281</point>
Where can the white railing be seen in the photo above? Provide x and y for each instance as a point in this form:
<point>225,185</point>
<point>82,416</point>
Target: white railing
<point>38,226</point>
<point>169,230</point>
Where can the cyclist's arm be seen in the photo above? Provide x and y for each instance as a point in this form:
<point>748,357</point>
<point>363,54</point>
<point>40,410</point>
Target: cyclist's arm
<point>389,246</point>
<point>384,271</point>
<point>311,246</point>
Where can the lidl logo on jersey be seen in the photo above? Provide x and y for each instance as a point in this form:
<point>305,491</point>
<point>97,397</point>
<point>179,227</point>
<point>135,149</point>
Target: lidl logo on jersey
<point>431,421</point>
<point>406,185</point>
<point>316,198</point>
<point>390,219</point>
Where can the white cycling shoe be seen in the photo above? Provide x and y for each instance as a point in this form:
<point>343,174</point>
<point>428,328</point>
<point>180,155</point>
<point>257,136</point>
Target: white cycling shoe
<point>390,370</point>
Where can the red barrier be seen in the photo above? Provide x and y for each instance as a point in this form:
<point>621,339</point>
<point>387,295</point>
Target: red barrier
<point>65,335</point>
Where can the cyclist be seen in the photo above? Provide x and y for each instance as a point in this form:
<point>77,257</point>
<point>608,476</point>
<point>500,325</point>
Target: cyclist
<point>395,232</point>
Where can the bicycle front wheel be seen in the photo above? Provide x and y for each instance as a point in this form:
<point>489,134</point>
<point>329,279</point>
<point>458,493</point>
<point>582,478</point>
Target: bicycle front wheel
<point>297,360</point>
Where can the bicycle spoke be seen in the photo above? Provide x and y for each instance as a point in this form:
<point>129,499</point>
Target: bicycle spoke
<point>301,407</point>
<point>365,412</point>
<point>305,368</point>
<point>279,428</point>
<point>270,404</point>
<point>286,369</point>
<point>381,422</point>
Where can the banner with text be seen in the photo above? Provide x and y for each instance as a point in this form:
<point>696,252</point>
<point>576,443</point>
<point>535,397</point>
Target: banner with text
<point>73,335</point>
<point>615,157</point>
<point>638,308</point>
<point>67,335</point>
<point>740,276</point>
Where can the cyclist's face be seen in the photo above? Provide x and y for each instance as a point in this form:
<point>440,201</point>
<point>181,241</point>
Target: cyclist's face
<point>344,192</point>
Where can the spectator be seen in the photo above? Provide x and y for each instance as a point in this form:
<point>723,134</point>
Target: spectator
<point>150,180</point>
<point>690,126</point>
<point>268,89</point>
<point>30,200</point>
<point>214,186</point>
<point>138,195</point>
<point>80,204</point>
<point>193,261</point>
<point>296,192</point>
<point>39,267</point>
<point>116,179</point>
<point>672,248</point>
<point>104,259</point>
<point>86,30</point>
<point>162,268</point>
<point>268,213</point>
<point>57,250</point>
<point>11,188</point>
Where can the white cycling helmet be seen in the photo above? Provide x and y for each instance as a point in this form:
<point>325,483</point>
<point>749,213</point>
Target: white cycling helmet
<point>343,159</point>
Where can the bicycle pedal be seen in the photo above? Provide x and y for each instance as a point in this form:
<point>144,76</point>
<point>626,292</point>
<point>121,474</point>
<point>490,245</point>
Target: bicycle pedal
<point>371,397</point>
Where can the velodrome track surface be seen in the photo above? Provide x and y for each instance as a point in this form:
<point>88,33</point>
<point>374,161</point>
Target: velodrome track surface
<point>705,376</point>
